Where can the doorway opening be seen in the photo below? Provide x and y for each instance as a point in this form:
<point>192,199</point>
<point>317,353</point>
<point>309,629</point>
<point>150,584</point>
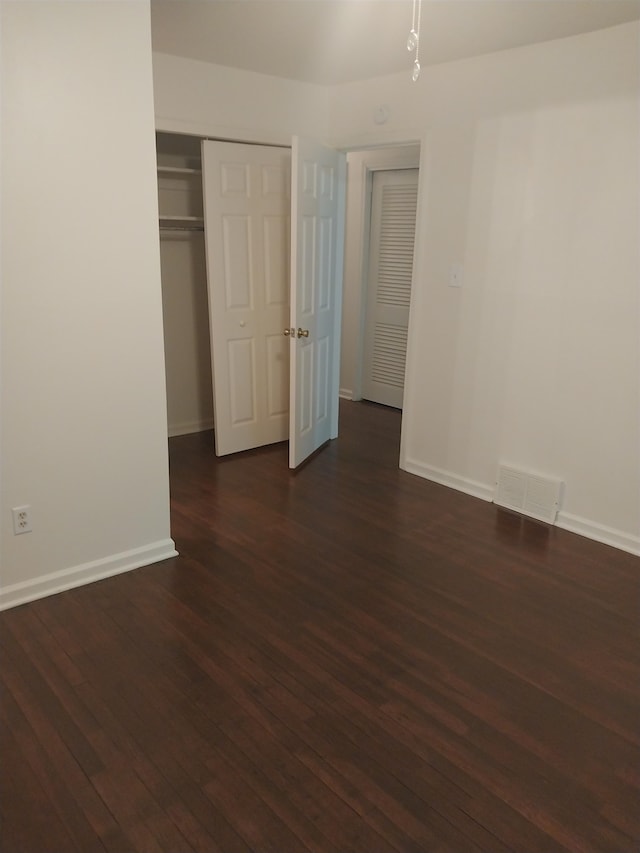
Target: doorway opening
<point>186,321</point>
<point>392,231</point>
<point>184,285</point>
<point>374,369</point>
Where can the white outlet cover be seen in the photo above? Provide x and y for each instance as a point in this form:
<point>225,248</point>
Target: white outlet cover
<point>21,519</point>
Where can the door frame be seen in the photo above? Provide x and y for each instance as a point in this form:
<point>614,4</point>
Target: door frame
<point>362,160</point>
<point>391,192</point>
<point>361,165</point>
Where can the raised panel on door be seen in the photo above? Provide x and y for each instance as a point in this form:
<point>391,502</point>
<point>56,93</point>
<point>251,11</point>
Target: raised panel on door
<point>242,385</point>
<point>237,251</point>
<point>318,178</point>
<point>247,229</point>
<point>277,375</point>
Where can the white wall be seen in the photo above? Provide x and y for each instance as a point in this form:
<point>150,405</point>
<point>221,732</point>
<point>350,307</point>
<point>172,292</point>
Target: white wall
<point>210,100</point>
<point>186,334</point>
<point>83,399</point>
<point>529,178</point>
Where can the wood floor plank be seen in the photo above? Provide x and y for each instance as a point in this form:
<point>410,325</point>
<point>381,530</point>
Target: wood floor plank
<point>347,659</point>
<point>350,712</point>
<point>30,821</point>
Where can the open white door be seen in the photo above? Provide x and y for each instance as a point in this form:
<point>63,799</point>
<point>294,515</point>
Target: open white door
<point>318,182</point>
<point>247,209</point>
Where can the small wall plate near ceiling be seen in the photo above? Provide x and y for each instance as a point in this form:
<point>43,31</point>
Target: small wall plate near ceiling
<point>381,114</point>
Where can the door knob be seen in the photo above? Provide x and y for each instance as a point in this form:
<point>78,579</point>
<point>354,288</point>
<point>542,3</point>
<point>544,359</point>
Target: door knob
<point>303,333</point>
<point>289,332</point>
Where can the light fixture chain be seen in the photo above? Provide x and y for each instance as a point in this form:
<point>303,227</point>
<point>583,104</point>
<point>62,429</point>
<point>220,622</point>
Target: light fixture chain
<point>413,40</point>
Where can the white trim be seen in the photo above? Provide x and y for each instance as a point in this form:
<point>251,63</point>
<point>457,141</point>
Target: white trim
<point>573,523</point>
<point>207,130</point>
<point>338,273</point>
<point>345,394</point>
<point>448,478</point>
<point>599,532</point>
<point>361,166</point>
<point>190,427</point>
<point>20,593</point>
<point>377,139</point>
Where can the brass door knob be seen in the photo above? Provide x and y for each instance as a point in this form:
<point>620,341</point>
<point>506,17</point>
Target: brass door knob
<point>289,333</point>
<point>303,333</point>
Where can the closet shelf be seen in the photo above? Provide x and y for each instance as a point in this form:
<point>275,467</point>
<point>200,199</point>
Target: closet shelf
<point>181,223</point>
<point>177,170</point>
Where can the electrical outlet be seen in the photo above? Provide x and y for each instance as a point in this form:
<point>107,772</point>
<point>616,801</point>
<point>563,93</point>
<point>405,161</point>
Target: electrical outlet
<point>21,519</point>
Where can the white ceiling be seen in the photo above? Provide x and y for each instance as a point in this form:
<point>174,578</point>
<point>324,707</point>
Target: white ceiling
<point>337,41</point>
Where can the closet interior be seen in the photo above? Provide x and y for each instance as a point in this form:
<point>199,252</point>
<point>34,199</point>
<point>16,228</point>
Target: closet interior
<point>184,284</point>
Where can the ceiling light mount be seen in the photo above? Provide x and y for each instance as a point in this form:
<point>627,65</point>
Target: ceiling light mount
<point>413,39</point>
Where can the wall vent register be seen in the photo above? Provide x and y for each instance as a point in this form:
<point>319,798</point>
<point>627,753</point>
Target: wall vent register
<point>527,493</point>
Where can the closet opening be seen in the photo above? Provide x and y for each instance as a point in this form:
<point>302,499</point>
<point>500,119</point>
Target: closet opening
<point>184,285</point>
<point>187,334</point>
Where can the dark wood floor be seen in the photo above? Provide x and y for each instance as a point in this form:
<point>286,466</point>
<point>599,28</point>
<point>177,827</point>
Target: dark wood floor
<point>348,659</point>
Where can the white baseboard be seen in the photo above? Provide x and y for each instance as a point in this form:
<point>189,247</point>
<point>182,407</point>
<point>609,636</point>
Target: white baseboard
<point>345,394</point>
<point>599,532</point>
<point>566,521</point>
<point>447,478</point>
<point>116,564</point>
<point>188,428</point>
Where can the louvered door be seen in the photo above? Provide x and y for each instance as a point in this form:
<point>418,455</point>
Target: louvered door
<point>393,223</point>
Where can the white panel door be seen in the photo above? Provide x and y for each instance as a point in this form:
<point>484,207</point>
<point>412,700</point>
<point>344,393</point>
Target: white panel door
<point>318,181</point>
<point>391,243</point>
<point>247,226</point>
